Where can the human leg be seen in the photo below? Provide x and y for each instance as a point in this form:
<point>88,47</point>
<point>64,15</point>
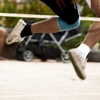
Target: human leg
<point>47,26</point>
<point>51,25</point>
<point>92,37</point>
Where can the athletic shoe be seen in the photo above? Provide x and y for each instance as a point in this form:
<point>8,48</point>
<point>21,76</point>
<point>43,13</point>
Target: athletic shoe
<point>14,36</point>
<point>78,62</point>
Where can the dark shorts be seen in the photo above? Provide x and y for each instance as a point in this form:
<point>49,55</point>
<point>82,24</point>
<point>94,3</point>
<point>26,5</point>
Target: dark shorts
<point>64,9</point>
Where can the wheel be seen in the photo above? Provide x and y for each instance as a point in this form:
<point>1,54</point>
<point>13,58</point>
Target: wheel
<point>65,57</point>
<point>28,55</point>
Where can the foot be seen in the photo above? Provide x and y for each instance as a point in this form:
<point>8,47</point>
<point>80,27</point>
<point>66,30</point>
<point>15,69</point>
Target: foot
<point>78,62</point>
<point>14,36</point>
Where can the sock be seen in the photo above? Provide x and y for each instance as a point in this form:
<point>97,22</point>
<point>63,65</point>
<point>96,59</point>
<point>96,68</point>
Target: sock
<point>83,50</point>
<point>26,31</point>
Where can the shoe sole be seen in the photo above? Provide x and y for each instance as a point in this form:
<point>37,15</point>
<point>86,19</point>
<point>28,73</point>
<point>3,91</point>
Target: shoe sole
<point>79,71</point>
<point>12,37</point>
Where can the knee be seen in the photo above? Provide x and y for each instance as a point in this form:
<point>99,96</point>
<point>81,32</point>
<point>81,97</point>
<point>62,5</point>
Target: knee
<point>64,26</point>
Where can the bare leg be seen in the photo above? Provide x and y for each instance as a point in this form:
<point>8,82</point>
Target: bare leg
<point>21,29</point>
<point>93,35</point>
<point>47,26</point>
<point>78,55</point>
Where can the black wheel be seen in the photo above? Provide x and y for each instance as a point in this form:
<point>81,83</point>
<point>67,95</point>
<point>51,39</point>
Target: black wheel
<point>65,57</point>
<point>28,55</point>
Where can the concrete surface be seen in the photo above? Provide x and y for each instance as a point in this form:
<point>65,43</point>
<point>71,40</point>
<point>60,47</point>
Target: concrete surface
<point>47,81</point>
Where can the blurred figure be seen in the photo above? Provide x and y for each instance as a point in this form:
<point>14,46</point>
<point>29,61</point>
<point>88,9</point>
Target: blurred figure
<point>3,33</point>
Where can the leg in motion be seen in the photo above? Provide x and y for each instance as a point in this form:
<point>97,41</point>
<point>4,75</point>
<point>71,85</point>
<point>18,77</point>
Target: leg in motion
<point>79,54</point>
<point>63,21</point>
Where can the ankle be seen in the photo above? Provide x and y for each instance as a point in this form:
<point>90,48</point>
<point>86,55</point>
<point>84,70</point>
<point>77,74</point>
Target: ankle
<point>26,31</point>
